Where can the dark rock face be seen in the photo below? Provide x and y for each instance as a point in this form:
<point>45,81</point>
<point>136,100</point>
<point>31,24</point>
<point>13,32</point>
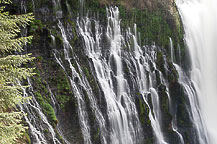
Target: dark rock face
<point>152,25</point>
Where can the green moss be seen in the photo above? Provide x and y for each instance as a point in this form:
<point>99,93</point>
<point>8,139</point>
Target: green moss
<point>42,95</point>
<point>142,111</point>
<point>154,26</point>
<point>57,80</point>
<point>59,40</point>
<point>63,91</point>
<point>39,58</point>
<point>97,134</point>
<point>27,138</point>
<point>87,73</point>
<point>46,131</point>
<point>35,26</point>
<point>46,107</point>
<point>151,25</point>
<point>39,97</point>
<point>160,62</point>
<point>149,140</point>
<point>49,111</point>
<point>173,74</point>
<point>29,6</point>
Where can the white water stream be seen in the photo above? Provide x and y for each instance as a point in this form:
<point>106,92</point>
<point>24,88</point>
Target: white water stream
<point>200,22</point>
<point>147,83</point>
<point>34,111</point>
<point>121,109</point>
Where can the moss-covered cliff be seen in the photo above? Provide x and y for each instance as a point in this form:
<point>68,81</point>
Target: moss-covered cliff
<point>156,21</point>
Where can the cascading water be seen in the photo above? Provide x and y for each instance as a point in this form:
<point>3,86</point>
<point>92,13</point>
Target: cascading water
<point>37,129</point>
<point>147,84</point>
<point>120,118</point>
<point>171,50</point>
<point>77,92</point>
<point>122,115</point>
<point>124,70</point>
<point>193,109</point>
<point>200,20</point>
<point>143,62</point>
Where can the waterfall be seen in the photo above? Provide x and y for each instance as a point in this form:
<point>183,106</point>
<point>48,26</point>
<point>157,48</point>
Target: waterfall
<point>121,109</point>
<point>33,5</point>
<point>56,106</point>
<point>77,91</point>
<point>36,119</point>
<point>147,84</point>
<point>171,50</point>
<point>200,20</point>
<point>193,110</point>
<point>84,83</point>
<point>108,62</point>
<point>23,6</point>
<point>82,112</point>
<point>123,72</point>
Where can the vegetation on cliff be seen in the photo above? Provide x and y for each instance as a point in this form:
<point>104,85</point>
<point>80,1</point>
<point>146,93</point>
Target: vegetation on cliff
<point>12,70</point>
<point>156,22</point>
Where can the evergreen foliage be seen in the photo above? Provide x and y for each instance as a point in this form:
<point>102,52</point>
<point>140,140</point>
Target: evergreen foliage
<point>12,70</point>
